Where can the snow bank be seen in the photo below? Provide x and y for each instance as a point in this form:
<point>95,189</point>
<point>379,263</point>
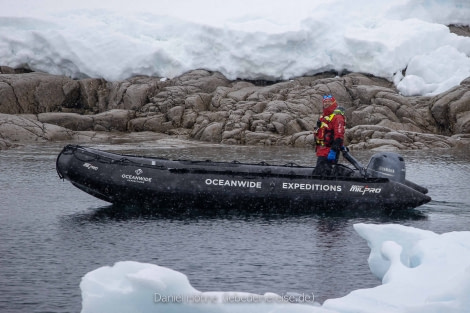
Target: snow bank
<point>421,272</point>
<point>243,39</point>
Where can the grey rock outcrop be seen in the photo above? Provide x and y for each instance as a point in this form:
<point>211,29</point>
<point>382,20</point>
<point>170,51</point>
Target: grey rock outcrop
<point>205,106</point>
<point>26,128</point>
<point>33,93</point>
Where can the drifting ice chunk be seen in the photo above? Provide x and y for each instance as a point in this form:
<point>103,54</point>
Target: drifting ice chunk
<point>420,271</point>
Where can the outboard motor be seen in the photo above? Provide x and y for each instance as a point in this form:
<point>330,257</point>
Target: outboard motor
<point>387,165</point>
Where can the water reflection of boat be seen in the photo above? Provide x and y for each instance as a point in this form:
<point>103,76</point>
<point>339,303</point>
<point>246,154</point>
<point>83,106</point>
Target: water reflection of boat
<point>149,181</point>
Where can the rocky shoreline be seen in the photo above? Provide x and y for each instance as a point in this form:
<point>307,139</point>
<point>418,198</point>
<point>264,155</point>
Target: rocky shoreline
<point>205,106</point>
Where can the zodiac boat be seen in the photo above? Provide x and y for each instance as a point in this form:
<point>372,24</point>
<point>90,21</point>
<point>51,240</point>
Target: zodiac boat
<point>164,183</point>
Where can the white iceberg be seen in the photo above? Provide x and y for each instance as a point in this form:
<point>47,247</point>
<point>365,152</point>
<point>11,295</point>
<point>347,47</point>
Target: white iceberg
<point>421,271</point>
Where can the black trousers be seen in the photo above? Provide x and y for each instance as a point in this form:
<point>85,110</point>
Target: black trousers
<point>324,167</point>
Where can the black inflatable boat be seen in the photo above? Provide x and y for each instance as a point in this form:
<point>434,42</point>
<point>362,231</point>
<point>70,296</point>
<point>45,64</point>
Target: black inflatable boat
<point>157,182</point>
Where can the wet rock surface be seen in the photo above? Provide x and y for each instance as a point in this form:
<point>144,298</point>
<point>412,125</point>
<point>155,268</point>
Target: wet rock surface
<point>205,106</point>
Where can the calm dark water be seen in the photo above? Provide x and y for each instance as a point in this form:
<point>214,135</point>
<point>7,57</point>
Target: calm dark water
<point>51,233</point>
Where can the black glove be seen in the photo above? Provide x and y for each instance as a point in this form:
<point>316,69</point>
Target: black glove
<point>337,143</point>
<point>318,123</point>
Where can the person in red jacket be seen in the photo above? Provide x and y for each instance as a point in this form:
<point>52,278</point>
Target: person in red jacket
<point>329,136</point>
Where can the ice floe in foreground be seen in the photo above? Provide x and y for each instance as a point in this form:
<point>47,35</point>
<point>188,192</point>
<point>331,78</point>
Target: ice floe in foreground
<point>421,271</point>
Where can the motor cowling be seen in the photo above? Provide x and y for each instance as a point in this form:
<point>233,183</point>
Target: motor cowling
<point>387,165</point>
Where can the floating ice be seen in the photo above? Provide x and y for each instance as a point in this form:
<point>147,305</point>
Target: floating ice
<point>420,271</point>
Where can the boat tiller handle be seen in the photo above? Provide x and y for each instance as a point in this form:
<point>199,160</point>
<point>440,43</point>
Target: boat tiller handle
<point>353,161</point>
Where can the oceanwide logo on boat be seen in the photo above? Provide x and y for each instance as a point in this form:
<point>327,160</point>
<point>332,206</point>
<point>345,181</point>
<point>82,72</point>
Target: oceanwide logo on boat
<point>233,183</point>
<point>137,178</point>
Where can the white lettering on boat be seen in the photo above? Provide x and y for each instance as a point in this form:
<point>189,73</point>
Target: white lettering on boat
<point>90,167</point>
<point>137,179</point>
<point>364,189</point>
<point>233,183</point>
<point>313,187</point>
<point>386,169</point>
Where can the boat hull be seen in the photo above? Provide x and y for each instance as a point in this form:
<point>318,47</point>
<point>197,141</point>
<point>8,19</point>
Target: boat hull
<point>124,179</point>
